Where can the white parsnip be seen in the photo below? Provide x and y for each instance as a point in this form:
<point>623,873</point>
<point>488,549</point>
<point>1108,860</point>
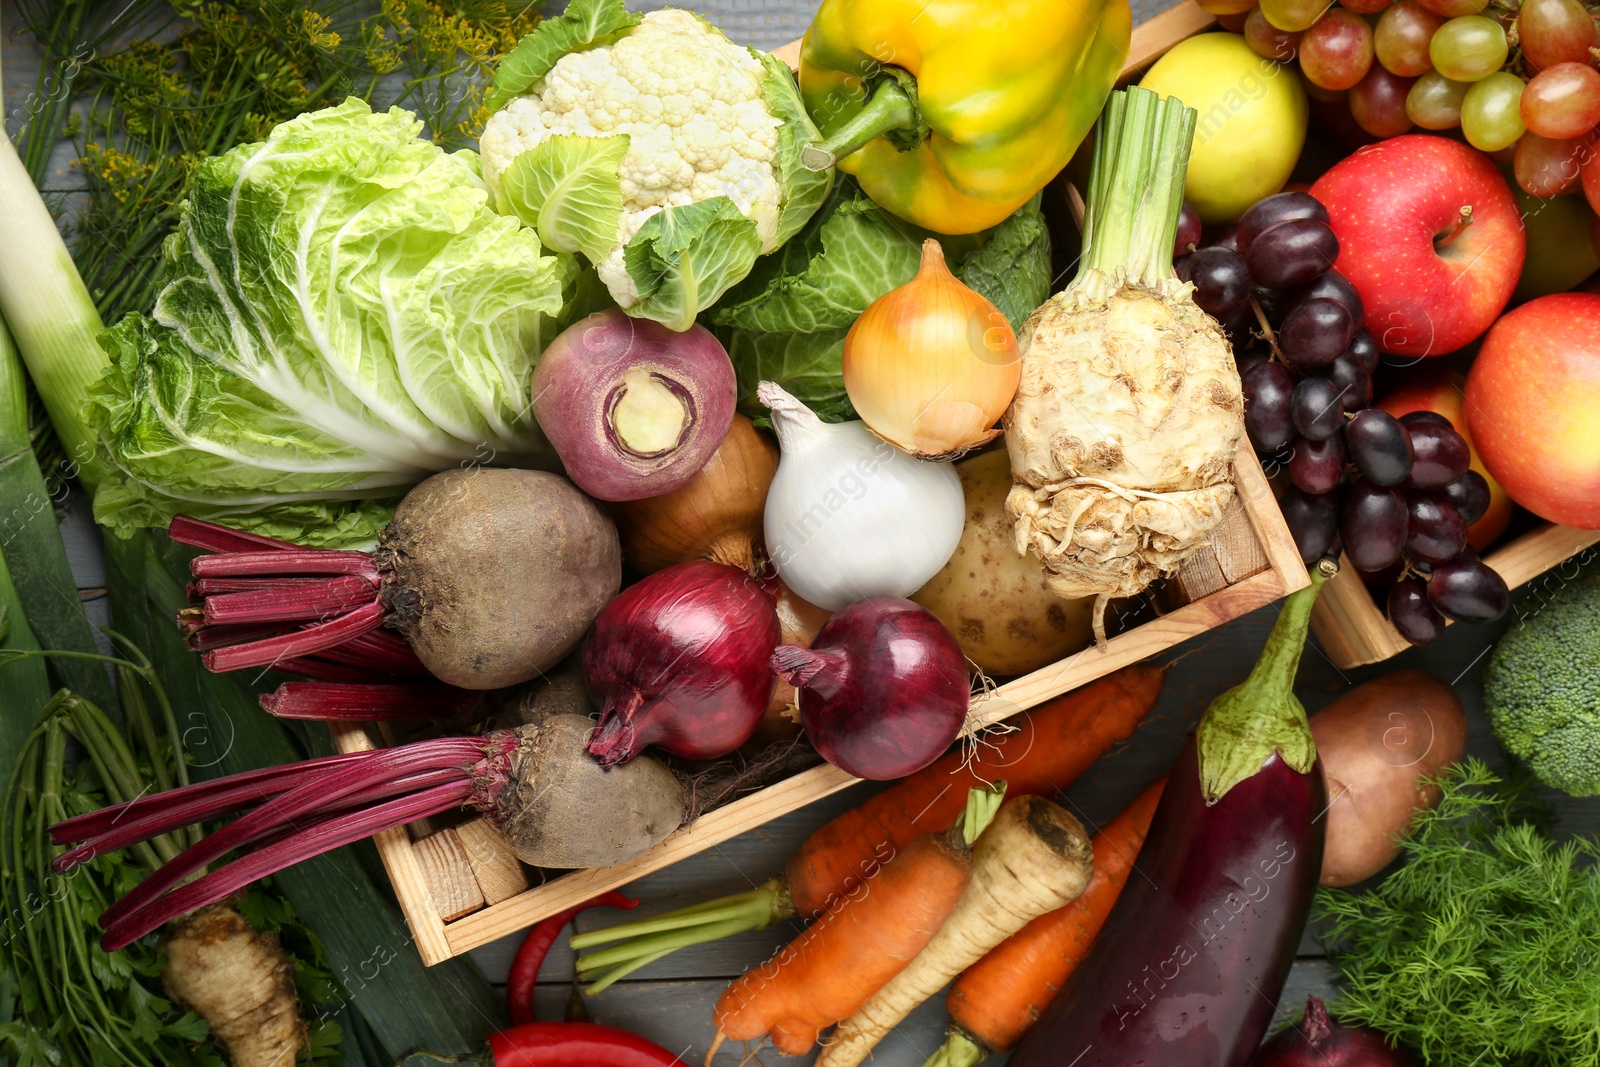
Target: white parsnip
<point>1033,859</point>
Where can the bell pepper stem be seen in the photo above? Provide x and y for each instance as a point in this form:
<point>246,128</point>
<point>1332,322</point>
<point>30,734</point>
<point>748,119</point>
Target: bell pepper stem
<point>889,108</point>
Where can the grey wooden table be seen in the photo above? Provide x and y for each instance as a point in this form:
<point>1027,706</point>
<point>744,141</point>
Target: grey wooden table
<point>670,1002</point>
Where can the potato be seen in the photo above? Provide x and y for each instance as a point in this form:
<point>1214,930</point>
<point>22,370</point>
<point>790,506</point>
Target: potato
<point>994,600</point>
<point>1377,743</point>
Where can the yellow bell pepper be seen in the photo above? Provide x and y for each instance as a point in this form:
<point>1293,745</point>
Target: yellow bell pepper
<point>953,113</point>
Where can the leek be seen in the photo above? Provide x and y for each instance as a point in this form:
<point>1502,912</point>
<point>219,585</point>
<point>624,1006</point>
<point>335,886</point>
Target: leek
<point>31,545</point>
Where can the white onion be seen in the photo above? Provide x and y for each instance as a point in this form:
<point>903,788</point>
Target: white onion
<point>850,516</point>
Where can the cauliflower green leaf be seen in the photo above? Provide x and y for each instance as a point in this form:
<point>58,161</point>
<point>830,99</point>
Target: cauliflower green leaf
<point>344,315</point>
<point>568,189</point>
<point>683,258</point>
<point>584,24</point>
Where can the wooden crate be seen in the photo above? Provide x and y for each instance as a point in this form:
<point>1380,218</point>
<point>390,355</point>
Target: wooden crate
<point>1353,630</point>
<point>458,892</point>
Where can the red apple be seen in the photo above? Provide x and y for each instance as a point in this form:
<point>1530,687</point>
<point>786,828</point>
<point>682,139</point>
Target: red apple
<point>1533,402</point>
<point>1439,391</point>
<point>1430,283</point>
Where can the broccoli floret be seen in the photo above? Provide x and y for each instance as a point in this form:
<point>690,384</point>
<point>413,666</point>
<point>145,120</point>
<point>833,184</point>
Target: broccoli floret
<point>1542,688</point>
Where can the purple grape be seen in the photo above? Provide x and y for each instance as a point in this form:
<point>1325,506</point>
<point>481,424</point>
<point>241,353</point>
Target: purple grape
<point>1221,280</point>
<point>1268,398</point>
<point>1226,238</point>
<point>1440,455</point>
<point>1315,409</point>
<point>1364,350</point>
<point>1317,466</point>
<point>1353,382</point>
<point>1188,230</point>
<point>1313,522</point>
<point>1379,446</point>
<point>1292,253</point>
<point>1410,612</point>
<point>1434,532</point>
<point>1315,333</point>
<point>1372,522</point>
<point>1336,287</point>
<point>1424,418</point>
<point>1281,207</point>
<point>1274,305</point>
<point>1470,495</point>
<point>1468,590</point>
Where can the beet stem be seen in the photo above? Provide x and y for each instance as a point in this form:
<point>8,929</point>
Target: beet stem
<point>221,794</point>
<point>206,638</point>
<point>379,768</point>
<point>368,703</point>
<point>284,563</point>
<point>312,841</point>
<point>200,588</point>
<point>315,600</point>
<point>378,650</point>
<point>326,670</point>
<point>198,533</point>
<point>302,642</point>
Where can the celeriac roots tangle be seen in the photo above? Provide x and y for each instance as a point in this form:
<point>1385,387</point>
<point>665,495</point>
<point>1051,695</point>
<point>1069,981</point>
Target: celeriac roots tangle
<point>238,980</point>
<point>1125,424</point>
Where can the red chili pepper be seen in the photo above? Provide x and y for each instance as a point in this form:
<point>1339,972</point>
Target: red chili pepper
<point>576,1045</point>
<point>530,957</point>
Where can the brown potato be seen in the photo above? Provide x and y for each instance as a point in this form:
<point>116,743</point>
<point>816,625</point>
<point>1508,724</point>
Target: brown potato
<point>1377,742</point>
<point>993,599</point>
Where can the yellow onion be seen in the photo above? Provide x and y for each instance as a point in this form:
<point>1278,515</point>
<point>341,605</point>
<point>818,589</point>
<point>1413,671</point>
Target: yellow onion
<point>931,366</point>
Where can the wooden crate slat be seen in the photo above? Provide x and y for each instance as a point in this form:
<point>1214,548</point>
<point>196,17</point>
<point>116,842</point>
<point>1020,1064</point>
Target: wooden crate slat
<point>500,875</point>
<point>449,875</point>
<point>1354,631</point>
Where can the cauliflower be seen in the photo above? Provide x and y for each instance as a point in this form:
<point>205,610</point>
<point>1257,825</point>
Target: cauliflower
<point>663,152</point>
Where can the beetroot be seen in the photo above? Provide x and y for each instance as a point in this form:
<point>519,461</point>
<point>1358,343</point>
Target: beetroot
<point>555,805</point>
<point>883,690</point>
<point>492,576</point>
<point>679,661</point>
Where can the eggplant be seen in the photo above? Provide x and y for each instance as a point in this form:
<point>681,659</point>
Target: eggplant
<point>1187,970</point>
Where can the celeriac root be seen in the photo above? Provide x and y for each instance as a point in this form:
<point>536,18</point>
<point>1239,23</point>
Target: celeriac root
<point>1033,858</point>
<point>238,980</point>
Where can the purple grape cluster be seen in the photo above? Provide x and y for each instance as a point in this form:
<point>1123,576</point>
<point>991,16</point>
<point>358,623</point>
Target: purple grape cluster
<point>1393,495</point>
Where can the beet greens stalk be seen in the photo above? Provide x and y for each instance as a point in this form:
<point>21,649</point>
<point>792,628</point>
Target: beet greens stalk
<point>555,805</point>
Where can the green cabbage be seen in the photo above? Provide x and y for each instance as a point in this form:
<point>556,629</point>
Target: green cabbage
<point>343,315</point>
<point>787,321</point>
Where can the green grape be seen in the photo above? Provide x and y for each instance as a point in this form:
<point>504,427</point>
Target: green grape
<point>1434,102</point>
<point>1293,16</point>
<point>1491,112</point>
<point>1468,48</point>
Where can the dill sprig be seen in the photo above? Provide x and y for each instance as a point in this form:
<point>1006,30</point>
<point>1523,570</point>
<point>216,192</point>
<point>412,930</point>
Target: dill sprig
<point>1484,948</point>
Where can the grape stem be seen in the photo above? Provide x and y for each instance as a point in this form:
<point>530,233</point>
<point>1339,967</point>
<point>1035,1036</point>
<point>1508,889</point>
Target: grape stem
<point>1463,220</point>
<point>1266,331</point>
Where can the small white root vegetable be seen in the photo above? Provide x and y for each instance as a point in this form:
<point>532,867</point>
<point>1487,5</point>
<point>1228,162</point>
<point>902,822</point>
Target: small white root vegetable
<point>1125,424</point>
<point>1033,859</point>
<point>238,980</point>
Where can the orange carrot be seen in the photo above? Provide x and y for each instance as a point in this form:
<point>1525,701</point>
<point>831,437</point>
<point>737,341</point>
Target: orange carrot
<point>860,943</point>
<point>1053,744</point>
<point>996,999</point>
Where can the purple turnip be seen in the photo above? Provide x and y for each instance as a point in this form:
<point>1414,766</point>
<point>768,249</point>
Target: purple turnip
<point>632,408</point>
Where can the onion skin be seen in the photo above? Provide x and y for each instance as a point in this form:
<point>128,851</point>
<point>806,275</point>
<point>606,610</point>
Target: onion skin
<point>715,515</point>
<point>883,689</point>
<point>588,384</point>
<point>679,661</point>
<point>1319,1042</point>
<point>931,366</point>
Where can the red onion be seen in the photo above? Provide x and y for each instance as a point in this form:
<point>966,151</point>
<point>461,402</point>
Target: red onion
<point>633,409</point>
<point>679,661</point>
<point>883,688</point>
<point>1317,1041</point>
